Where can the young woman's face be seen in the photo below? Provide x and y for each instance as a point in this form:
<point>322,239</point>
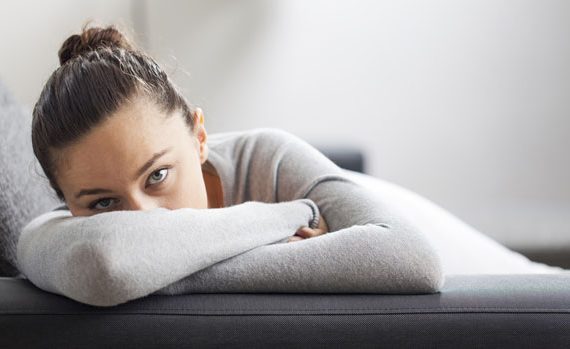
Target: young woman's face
<point>136,160</point>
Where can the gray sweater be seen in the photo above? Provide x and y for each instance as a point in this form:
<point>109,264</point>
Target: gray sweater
<point>273,182</point>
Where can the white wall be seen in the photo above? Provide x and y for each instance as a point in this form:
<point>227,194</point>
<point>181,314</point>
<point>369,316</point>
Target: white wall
<point>31,33</point>
<point>465,102</point>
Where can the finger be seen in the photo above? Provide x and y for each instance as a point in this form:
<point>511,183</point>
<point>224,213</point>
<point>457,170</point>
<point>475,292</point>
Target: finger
<point>294,238</point>
<point>307,232</point>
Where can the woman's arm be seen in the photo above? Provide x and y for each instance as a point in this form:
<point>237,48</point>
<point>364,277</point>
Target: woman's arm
<point>400,248</point>
<point>113,257</point>
<point>351,260</point>
<point>369,258</point>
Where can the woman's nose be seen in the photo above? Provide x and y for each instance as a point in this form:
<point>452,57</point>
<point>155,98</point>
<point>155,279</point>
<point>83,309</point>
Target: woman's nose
<point>142,203</point>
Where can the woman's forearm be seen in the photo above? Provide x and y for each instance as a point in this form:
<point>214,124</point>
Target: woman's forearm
<point>113,257</point>
<point>303,172</point>
<point>362,259</point>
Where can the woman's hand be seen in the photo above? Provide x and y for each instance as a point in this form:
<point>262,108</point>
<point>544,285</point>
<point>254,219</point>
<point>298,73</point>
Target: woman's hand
<point>306,232</point>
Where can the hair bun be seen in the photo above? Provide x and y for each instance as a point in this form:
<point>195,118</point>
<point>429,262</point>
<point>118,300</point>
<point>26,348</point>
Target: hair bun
<point>90,39</point>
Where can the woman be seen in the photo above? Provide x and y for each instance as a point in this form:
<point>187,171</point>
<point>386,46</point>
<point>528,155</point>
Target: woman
<point>153,204</point>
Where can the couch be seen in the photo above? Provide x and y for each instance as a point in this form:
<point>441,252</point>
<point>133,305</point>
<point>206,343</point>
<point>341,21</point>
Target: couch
<point>492,296</point>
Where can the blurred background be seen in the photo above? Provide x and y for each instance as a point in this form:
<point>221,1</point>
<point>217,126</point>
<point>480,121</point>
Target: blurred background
<point>464,102</point>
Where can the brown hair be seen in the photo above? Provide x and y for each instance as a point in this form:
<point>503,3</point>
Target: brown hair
<point>100,70</point>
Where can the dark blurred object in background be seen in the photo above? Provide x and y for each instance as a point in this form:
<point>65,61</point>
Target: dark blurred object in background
<point>349,158</point>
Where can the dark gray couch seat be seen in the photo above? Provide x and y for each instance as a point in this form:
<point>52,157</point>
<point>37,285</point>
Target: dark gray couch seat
<point>472,311</point>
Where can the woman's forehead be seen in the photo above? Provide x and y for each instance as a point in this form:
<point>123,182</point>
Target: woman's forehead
<point>121,145</point>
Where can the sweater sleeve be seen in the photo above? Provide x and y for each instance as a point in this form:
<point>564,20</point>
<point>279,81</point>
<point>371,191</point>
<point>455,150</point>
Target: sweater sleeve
<point>357,259</point>
<point>402,257</point>
<point>113,257</point>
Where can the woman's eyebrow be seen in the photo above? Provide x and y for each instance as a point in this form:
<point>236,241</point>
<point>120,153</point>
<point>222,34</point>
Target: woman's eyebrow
<point>139,173</point>
<point>151,161</point>
<point>91,192</point>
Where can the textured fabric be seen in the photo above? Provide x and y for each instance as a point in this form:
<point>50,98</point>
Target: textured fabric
<point>472,311</point>
<point>24,193</point>
<point>107,259</point>
<point>370,248</point>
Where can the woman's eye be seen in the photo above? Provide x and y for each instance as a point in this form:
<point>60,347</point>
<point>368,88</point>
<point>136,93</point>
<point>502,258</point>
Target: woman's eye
<point>159,175</point>
<point>105,206</point>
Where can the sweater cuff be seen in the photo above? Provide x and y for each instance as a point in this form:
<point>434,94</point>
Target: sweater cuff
<point>314,222</point>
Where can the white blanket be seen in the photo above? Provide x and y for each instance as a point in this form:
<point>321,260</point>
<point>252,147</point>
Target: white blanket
<point>462,248</point>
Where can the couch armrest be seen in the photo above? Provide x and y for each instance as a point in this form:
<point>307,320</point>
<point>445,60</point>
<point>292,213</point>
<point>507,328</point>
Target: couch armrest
<point>350,158</point>
<point>472,310</point>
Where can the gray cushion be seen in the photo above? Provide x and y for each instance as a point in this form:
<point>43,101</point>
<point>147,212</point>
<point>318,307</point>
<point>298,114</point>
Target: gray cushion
<point>24,190</point>
<point>472,311</point>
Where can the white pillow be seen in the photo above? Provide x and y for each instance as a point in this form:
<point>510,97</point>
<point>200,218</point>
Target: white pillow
<point>462,248</point>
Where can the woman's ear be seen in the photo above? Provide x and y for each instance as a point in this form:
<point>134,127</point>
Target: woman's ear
<point>201,134</point>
